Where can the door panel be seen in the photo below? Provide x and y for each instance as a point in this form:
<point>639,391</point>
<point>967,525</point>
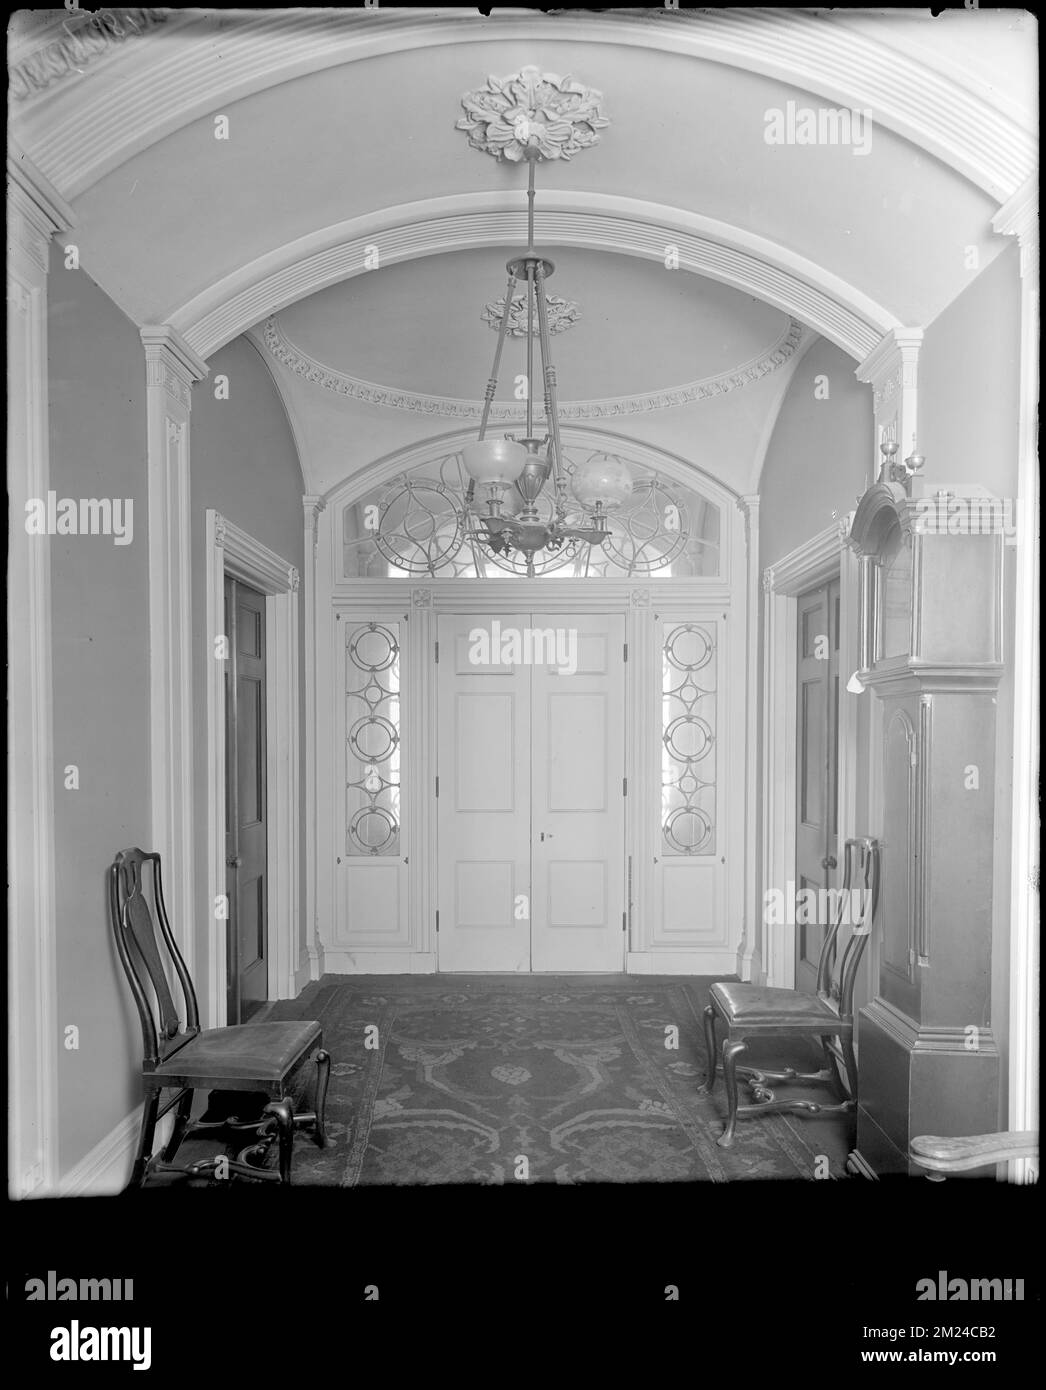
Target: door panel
<point>530,811</point>
<point>483,811</point>
<point>578,799</point>
<point>247,824</point>
<point>817,703</point>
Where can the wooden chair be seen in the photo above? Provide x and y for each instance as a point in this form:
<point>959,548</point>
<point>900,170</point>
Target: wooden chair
<point>752,1011</point>
<point>940,1156</point>
<point>254,1057</point>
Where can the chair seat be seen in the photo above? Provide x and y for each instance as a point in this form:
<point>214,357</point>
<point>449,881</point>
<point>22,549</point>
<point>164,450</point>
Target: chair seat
<point>758,1004</point>
<point>245,1052</point>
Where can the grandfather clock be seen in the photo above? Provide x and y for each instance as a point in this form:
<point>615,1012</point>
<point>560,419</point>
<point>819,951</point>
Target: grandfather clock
<point>931,635</point>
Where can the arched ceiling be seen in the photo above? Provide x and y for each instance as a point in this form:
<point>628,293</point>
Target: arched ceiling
<point>342,136</point>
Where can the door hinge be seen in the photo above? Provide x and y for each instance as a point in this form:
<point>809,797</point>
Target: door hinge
<point>437,923</point>
<point>437,788</point>
<point>437,653</point>
<point>624,921</point>
<point>624,786</point>
<point>626,651</point>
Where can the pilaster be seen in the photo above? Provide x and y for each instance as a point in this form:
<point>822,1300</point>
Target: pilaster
<point>751,953</point>
<point>1019,216</point>
<point>312,506</point>
<point>35,212</point>
<point>171,368</point>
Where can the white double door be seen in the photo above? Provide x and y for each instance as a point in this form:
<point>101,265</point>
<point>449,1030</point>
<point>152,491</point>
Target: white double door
<point>531,766</point>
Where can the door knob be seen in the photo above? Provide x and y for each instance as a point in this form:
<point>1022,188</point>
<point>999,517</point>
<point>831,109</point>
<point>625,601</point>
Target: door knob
<point>829,862</point>
<point>234,861</point>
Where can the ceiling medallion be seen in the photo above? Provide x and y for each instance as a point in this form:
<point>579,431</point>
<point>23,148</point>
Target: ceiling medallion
<point>552,117</point>
<point>562,314</point>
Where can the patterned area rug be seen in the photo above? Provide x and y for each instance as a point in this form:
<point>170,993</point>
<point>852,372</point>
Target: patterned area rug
<point>541,1079</point>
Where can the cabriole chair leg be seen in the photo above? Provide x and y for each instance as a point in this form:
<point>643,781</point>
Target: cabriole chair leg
<point>283,1113</point>
<point>710,1049</point>
<point>732,1049</point>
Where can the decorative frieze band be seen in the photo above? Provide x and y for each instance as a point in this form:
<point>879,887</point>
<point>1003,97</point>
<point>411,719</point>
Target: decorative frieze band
<point>309,369</point>
<point>82,38</point>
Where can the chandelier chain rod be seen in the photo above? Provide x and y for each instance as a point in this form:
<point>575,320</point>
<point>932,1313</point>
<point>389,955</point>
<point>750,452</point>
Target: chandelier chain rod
<point>551,406</point>
<point>530,345</point>
<point>492,381</point>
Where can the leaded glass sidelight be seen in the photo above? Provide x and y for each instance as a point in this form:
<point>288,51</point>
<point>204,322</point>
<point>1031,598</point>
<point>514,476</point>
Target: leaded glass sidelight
<point>372,724</point>
<point>688,739</point>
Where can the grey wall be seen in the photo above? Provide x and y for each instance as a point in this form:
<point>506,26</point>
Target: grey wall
<point>244,465</point>
<point>100,616</point>
<point>820,456</point>
<point>818,462</point>
<point>969,370</point>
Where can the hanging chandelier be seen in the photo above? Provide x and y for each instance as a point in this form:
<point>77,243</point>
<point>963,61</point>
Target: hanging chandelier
<point>508,475</point>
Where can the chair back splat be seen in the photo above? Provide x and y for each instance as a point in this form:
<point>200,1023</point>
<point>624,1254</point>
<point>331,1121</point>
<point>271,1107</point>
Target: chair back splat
<point>856,903</point>
<point>136,904</point>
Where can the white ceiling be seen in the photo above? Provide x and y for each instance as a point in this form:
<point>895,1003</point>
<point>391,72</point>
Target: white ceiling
<point>355,130</point>
<point>418,325</point>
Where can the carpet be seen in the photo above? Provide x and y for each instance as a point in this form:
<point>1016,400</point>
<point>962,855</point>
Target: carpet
<point>540,1079</point>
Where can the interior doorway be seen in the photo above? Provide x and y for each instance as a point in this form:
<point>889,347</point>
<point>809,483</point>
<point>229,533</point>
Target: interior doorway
<point>531,789</point>
<point>246,802</point>
<point>817,856</point>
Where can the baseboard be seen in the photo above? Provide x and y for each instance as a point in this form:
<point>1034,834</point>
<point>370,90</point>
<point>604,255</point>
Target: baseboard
<point>698,962</point>
<point>106,1169</point>
<point>750,968</point>
<point>303,975</point>
<point>343,960</point>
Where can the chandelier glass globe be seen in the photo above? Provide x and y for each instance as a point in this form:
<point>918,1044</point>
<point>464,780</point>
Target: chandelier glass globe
<point>603,483</point>
<point>494,461</point>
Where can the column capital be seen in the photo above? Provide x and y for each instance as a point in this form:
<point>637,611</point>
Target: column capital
<point>1019,217</point>
<point>36,210</point>
<point>170,363</point>
<point>896,352</point>
<point>312,504</point>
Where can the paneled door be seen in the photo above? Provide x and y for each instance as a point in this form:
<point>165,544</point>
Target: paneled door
<point>483,791</point>
<point>246,816</point>
<point>577,799</point>
<point>816,821</point>
<point>531,792</point>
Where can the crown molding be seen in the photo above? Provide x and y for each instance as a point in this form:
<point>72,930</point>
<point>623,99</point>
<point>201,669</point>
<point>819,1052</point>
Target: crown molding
<point>80,134</point>
<point>597,221</point>
<point>394,398</point>
<point>35,208</point>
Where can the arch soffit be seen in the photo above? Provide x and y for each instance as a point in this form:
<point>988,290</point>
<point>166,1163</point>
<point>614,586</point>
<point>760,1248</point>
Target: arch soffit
<point>594,221</point>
